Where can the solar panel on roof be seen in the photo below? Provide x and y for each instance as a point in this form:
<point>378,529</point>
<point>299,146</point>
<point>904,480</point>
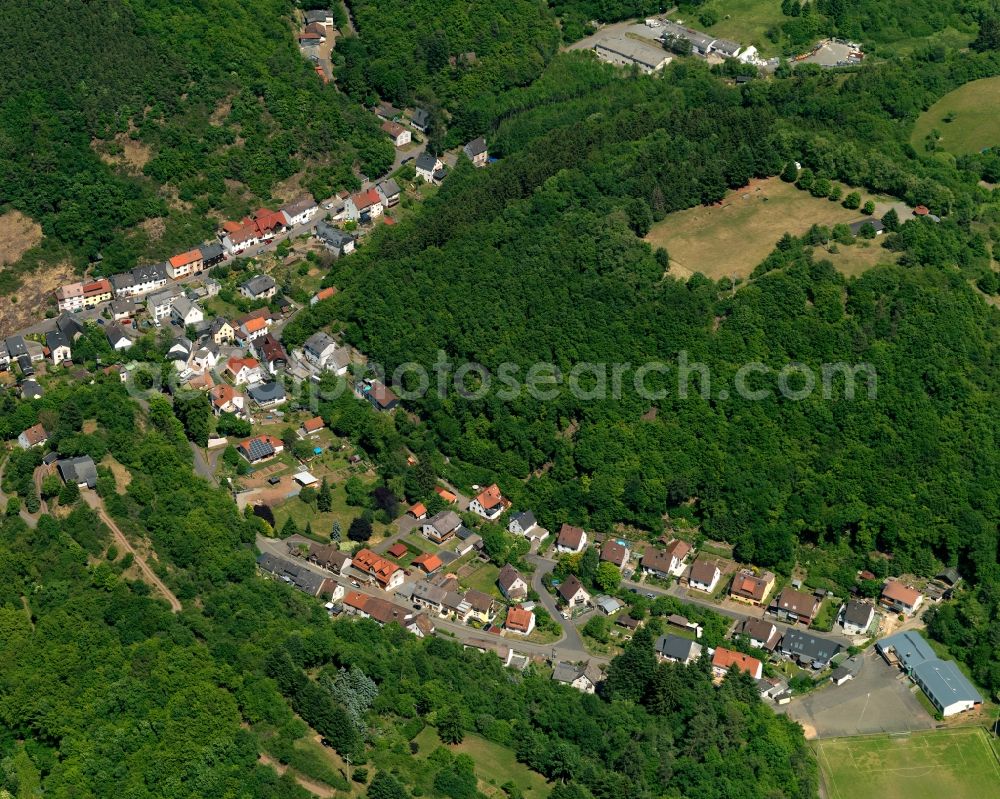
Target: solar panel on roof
<point>260,449</point>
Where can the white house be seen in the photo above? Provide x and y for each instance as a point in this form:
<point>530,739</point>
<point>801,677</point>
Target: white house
<point>244,371</point>
<point>571,540</point>
<point>300,211</point>
<point>428,166</point>
<point>259,287</point>
<point>857,617</point>
<point>32,437</point>
<point>489,503</point>
<point>186,312</point>
<point>117,338</point>
<point>512,585</point>
<point>319,349</point>
<point>583,678</point>
<point>161,303</point>
<point>364,206</point>
<point>704,575</point>
<point>522,523</point>
<point>572,592</point>
<point>59,349</point>
<point>400,136</point>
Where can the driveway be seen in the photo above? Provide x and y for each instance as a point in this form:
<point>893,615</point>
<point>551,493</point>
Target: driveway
<point>571,646</point>
<point>878,700</point>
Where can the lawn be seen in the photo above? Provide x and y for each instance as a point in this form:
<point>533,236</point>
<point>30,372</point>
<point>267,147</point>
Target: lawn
<point>482,577</point>
<point>854,259</point>
<point>958,764</point>
<point>495,764</point>
<point>976,123</point>
<point>732,238</point>
<point>748,21</point>
<point>322,523</point>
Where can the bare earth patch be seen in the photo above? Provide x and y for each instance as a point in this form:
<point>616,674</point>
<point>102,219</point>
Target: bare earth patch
<point>18,234</point>
<point>133,157</point>
<point>23,307</point>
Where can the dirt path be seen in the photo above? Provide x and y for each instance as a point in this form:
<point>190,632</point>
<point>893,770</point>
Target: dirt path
<point>321,789</point>
<point>148,574</point>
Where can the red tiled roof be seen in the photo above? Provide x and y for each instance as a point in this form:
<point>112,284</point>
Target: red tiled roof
<point>235,363</point>
<point>325,294</point>
<point>381,569</point>
<point>35,435</point>
<point>185,258</point>
<point>397,550</point>
<point>727,658</point>
<point>428,562</point>
<point>570,536</point>
<point>490,496</point>
<point>418,509</point>
<point>393,128</point>
<point>314,424</point>
<point>898,592</point>
<point>445,494</point>
<point>518,619</point>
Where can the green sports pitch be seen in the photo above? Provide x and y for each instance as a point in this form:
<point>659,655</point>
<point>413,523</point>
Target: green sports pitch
<point>957,764</point>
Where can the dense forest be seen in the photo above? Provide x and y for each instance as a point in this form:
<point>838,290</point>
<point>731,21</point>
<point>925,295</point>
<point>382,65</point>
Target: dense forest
<point>213,95</point>
<point>106,691</point>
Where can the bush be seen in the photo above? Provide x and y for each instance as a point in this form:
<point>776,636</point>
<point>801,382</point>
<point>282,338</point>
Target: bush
<point>852,200</point>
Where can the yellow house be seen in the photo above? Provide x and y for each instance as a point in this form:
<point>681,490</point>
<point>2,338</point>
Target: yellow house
<point>751,588</point>
<point>223,332</point>
<point>482,606</point>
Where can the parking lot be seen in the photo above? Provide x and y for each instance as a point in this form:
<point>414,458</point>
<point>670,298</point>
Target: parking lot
<point>878,699</point>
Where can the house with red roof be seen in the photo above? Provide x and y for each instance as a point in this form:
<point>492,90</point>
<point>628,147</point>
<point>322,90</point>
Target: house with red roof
<point>725,659</point>
<point>260,448</point>
<point>571,540</point>
<point>901,598</point>
<point>520,621</point>
<point>489,503</point>
<point>376,569</point>
<point>322,294</point>
<point>186,263</point>
<point>400,136</point>
<point>428,563</point>
<point>226,399</point>
<point>310,426</point>
<point>244,370</point>
<point>364,206</point>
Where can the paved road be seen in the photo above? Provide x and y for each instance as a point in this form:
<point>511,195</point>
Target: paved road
<point>95,502</point>
<point>571,647</point>
<point>560,650</point>
<point>205,463</point>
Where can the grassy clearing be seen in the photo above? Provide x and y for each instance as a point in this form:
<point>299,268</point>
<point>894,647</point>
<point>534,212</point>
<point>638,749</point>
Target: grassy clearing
<point>495,764</point>
<point>852,260</point>
<point>483,578</point>
<point>959,764</point>
<point>732,238</point>
<point>743,21</point>
<point>976,123</point>
<point>322,523</point>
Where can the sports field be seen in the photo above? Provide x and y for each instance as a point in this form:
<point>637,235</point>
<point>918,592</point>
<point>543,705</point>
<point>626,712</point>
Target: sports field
<point>730,238</point>
<point>957,764</point>
<point>976,119</point>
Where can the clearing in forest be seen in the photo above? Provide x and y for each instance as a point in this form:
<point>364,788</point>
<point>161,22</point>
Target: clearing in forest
<point>959,764</point>
<point>729,239</point>
<point>974,114</point>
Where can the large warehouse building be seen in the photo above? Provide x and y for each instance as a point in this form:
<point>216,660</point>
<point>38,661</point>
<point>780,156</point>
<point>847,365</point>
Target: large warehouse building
<point>948,689</point>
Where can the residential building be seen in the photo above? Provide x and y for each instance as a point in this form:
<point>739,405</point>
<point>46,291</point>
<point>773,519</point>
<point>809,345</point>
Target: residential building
<point>489,503</point>
<point>418,511</point>
<point>186,263</point>
<point>482,606</point>
<point>76,296</point>
<point>180,349</point>
<point>259,287</point>
<point>260,448</point>
<point>329,557</point>
<point>221,332</point>
<point>512,585</point>
<point>295,574</point>
<point>386,110</point>
<point>59,348</point>
<point>32,437</point>
<point>322,294</point>
<point>364,206</point>
<point>337,241</point>
<point>319,349</point>
<point>725,659</point>
<point>80,471</point>
<point>400,136</point>
<point>427,562</point>
<point>571,539</point>
<point>299,211</point>
<point>270,353</point>
<point>428,597</point>
<point>429,167</point>
<point>244,370</point>
<point>160,304</point>
<point>320,16</point>
<point>69,326</point>
<point>267,395</point>
<point>675,649</point>
<point>522,523</point>
<point>583,677</point>
<point>226,399</point>
<point>251,329</point>
<point>389,191</point>
<point>204,358</point>
<point>808,649</point>
<point>446,495</point>
<point>185,312</point>
<point>441,526</point>
<point>476,152</point>
<point>876,225</point>
<point>212,253</point>
<point>572,593</point>
<point>383,573</point>
<point>123,308</point>
<point>615,552</point>
<point>30,389</point>
<point>420,119</point>
<point>761,634</point>
<point>704,575</point>
<point>608,605</point>
<point>666,563</point>
<point>901,598</point>
<point>623,51</point>
<point>310,426</point>
<point>378,394</point>
<point>382,611</point>
<point>520,621</point>
<point>141,280</point>
<point>856,617</point>
<point>795,606</point>
<point>751,588</point>
<point>239,237</point>
<point>117,338</point>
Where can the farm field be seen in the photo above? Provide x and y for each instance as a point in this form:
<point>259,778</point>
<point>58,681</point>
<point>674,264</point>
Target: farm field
<point>959,764</point>
<point>733,237</point>
<point>495,764</point>
<point>976,123</point>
